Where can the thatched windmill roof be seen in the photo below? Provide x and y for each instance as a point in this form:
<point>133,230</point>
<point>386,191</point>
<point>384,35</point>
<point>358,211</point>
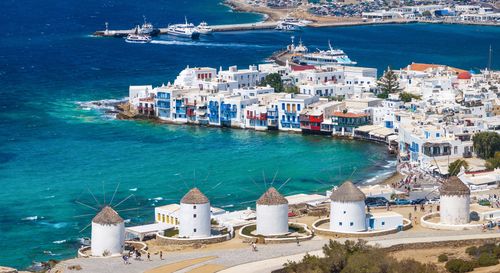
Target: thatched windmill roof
<point>194,196</point>
<point>107,216</point>
<point>453,186</point>
<point>272,197</point>
<point>347,192</point>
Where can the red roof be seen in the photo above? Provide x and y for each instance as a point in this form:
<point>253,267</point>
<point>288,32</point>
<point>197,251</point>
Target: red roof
<point>303,67</point>
<point>349,115</point>
<point>423,67</point>
<point>464,75</point>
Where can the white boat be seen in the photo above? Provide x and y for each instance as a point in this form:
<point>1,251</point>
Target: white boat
<point>286,27</point>
<point>294,21</point>
<point>146,28</point>
<point>138,38</point>
<point>187,30</point>
<point>325,57</point>
<point>204,28</point>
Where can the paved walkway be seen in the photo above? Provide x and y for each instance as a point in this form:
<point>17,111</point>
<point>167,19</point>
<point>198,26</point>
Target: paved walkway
<point>267,258</point>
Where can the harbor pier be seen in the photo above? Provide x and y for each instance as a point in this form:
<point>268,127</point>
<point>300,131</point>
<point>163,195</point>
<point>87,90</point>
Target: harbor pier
<point>216,28</point>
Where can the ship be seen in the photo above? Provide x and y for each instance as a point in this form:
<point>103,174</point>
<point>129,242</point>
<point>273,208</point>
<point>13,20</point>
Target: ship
<point>325,57</point>
<point>186,30</point>
<point>204,28</point>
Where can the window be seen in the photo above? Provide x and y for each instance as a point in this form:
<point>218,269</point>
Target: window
<point>298,107</point>
<point>194,206</point>
<point>340,223</point>
<point>283,106</point>
<point>194,215</point>
<point>351,224</point>
<point>383,223</point>
<point>344,212</point>
<point>194,230</point>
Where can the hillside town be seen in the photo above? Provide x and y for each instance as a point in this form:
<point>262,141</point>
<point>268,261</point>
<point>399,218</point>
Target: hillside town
<point>426,114</point>
<point>484,11</point>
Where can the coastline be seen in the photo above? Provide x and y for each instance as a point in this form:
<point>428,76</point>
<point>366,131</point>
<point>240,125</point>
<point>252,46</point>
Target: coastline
<point>274,15</point>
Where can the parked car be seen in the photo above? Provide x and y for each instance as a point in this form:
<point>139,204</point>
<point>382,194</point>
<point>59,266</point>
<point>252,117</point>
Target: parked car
<point>399,202</point>
<point>376,201</point>
<point>418,201</point>
<point>434,200</point>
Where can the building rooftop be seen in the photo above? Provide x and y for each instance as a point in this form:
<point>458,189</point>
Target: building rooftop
<point>347,192</point>
<point>453,186</point>
<point>272,197</point>
<point>107,216</point>
<point>194,196</point>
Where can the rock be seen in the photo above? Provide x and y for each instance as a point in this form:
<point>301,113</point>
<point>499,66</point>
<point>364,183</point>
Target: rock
<point>7,270</point>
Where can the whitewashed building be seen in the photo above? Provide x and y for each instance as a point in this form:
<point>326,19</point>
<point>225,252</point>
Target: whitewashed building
<point>272,213</point>
<point>194,215</point>
<point>108,233</point>
<point>455,202</point>
<point>347,209</point>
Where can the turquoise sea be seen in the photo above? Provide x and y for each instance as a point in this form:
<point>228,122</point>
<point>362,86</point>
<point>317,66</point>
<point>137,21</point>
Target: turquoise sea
<point>54,154</point>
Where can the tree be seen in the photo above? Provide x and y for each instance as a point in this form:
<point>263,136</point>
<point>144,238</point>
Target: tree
<point>455,166</point>
<point>486,144</point>
<point>427,14</point>
<point>494,162</point>
<point>388,83</point>
<point>406,97</point>
<point>292,89</point>
<point>273,80</point>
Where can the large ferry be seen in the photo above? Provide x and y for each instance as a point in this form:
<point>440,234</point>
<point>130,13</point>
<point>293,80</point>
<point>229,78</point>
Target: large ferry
<point>294,21</point>
<point>187,30</point>
<point>324,57</point>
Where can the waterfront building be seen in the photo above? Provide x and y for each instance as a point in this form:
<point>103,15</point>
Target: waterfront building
<point>312,119</point>
<point>253,91</point>
<point>289,109</point>
<point>272,214</point>
<point>256,117</point>
<point>344,122</point>
<point>327,89</point>
<point>108,233</point>
<point>194,215</point>
<point>195,77</point>
<point>347,209</point>
<point>244,77</point>
<point>455,202</point>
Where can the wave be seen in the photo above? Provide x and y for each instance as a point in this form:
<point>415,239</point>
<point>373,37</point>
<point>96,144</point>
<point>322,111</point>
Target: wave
<point>126,221</point>
<point>49,197</point>
<point>55,225</point>
<point>228,206</point>
<point>59,242</point>
<point>205,44</point>
<point>133,189</point>
<point>108,104</point>
<point>31,218</point>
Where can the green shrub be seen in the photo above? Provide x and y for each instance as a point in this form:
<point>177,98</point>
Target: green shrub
<point>248,230</point>
<point>487,259</point>
<point>442,258</point>
<point>472,251</point>
<point>459,266</point>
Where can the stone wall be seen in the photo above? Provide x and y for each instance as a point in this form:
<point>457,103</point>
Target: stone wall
<point>424,222</point>
<point>326,232</point>
<point>456,243</point>
<point>162,240</point>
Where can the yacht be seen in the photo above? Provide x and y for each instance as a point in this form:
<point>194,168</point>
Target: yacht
<point>187,30</point>
<point>286,27</point>
<point>204,28</point>
<point>325,57</point>
<point>138,38</point>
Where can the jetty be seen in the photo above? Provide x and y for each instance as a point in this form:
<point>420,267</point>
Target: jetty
<point>216,28</point>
